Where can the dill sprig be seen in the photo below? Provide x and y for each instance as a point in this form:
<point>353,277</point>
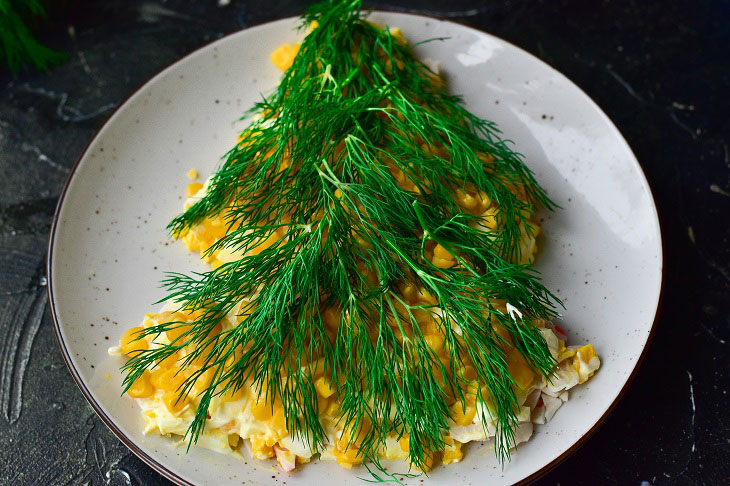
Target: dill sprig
<point>315,171</point>
<point>18,46</point>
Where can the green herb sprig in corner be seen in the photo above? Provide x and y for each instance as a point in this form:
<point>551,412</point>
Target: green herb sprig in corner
<point>316,168</point>
<point>18,46</point>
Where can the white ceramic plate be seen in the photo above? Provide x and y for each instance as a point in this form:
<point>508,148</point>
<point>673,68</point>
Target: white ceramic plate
<point>601,253</point>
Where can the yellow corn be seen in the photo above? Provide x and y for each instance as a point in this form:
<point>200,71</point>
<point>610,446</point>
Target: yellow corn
<point>170,361</point>
<point>441,252</point>
<point>132,343</point>
<point>452,452</point>
<point>405,443</point>
<point>484,201</point>
<point>347,456</point>
<point>463,415</point>
<point>489,218</point>
<point>278,422</point>
<point>260,449</point>
<point>193,189</point>
<point>469,373</point>
<point>519,370</point>
<point>201,358</point>
<point>422,316</point>
<point>425,297</point>
<point>233,394</point>
<point>435,342</point>
<point>142,387</point>
<point>428,462</point>
<point>322,404</point>
<point>333,409</point>
<point>441,263</point>
<point>173,401</point>
<point>283,56</point>
<point>398,35</point>
<point>203,380</point>
<point>323,387</point>
<point>177,331</point>
<point>409,292</point>
<point>156,377</point>
<point>261,410</point>
<point>466,200</point>
<point>167,379</point>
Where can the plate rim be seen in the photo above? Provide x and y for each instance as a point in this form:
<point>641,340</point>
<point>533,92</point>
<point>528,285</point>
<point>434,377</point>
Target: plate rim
<point>171,475</point>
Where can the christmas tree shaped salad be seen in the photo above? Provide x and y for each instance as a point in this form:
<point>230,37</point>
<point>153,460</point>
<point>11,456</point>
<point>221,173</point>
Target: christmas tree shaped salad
<point>371,294</point>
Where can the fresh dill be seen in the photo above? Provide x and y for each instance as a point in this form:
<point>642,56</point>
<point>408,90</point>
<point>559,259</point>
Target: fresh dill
<point>18,46</point>
<point>316,170</point>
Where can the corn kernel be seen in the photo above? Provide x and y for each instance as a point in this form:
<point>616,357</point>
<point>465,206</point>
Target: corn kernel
<point>283,56</point>
<point>322,404</point>
<point>465,200</point>
<point>202,382</point>
<point>426,297</point>
<point>261,410</point>
<point>131,341</point>
<point>489,219</point>
<point>169,361</point>
<point>278,421</point>
<point>156,377</point>
<point>409,292</point>
<point>333,410</point>
<point>174,333</point>
<point>435,342</point>
<point>201,358</point>
<point>587,352</point>
<point>453,453</point>
<point>486,158</point>
<point>469,373</point>
<point>323,387</point>
<point>168,379</point>
<point>422,316</point>
<point>192,174</point>
<point>441,263</point>
<point>519,370</point>
<point>398,35</point>
<point>441,252</point>
<point>347,456</point>
<point>484,201</point>
<point>405,443</point>
<point>142,387</point>
<point>428,462</point>
<point>233,394</point>
<point>331,318</point>
<point>463,415</point>
<point>260,449</point>
<point>192,189</point>
<point>173,401</point>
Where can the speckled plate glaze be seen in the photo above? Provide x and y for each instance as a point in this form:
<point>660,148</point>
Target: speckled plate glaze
<point>601,252</point>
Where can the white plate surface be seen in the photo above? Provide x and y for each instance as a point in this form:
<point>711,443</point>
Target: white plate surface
<point>601,253</point>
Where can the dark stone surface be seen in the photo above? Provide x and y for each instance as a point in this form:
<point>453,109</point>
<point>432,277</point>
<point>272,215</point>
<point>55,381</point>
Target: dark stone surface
<point>660,70</point>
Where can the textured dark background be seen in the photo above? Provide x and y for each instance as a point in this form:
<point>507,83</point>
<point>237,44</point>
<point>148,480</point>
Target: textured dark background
<point>660,70</point>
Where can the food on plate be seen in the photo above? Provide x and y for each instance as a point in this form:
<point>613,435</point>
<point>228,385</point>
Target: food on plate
<point>371,293</point>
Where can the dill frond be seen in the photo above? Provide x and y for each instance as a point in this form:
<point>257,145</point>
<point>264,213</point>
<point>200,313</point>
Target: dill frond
<point>316,166</point>
<point>18,46</point>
